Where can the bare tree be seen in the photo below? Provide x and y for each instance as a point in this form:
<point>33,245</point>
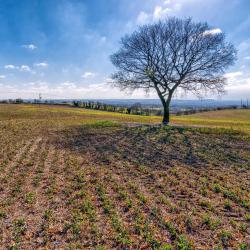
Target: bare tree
<point>171,54</point>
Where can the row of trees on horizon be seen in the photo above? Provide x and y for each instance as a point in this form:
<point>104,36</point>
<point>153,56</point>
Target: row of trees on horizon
<point>134,109</point>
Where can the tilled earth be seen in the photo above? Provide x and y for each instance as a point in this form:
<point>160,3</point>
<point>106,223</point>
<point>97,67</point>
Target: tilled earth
<point>108,186</point>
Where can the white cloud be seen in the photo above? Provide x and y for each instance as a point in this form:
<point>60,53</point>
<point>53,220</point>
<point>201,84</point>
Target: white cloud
<point>66,90</point>
<point>167,2</point>
<point>233,74</point>
<point>41,64</point>
<point>88,75</point>
<point>29,46</point>
<point>239,88</point>
<point>68,85</point>
<point>143,18</point>
<point>212,32</point>
<point>10,66</point>
<point>24,68</point>
<point>2,76</point>
<point>160,12</point>
<point>247,57</point>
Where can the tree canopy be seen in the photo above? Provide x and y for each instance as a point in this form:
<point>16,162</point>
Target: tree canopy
<point>174,53</point>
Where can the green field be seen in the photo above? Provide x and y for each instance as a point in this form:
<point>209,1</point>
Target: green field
<point>231,119</point>
<point>83,179</point>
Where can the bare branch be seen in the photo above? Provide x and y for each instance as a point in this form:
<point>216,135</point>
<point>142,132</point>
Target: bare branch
<point>171,54</point>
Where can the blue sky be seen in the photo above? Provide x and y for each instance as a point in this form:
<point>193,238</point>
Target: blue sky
<point>61,48</point>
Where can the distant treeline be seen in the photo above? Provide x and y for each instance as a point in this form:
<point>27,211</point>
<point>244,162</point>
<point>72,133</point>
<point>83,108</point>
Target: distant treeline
<point>135,109</point>
<point>13,101</point>
<point>139,109</point>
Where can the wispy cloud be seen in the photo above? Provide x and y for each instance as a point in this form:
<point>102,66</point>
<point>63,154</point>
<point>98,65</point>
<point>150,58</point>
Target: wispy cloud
<point>2,76</point>
<point>41,64</point>
<point>66,90</point>
<point>233,74</point>
<point>24,68</point>
<point>167,1</point>
<point>29,46</point>
<point>68,84</point>
<point>143,18</point>
<point>10,66</point>
<point>159,12</point>
<point>212,32</point>
<point>88,74</point>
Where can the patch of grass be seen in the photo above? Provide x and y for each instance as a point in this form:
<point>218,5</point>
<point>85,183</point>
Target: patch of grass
<point>243,227</point>
<point>88,208</point>
<point>75,224</point>
<point>171,229</point>
<point>48,214</point>
<point>165,247</point>
<point>228,205</point>
<point>247,217</point>
<point>243,246</point>
<point>225,237</point>
<point>122,235</point>
<point>19,228</point>
<point>234,197</point>
<point>183,243</point>
<point>217,188</point>
<point>30,198</point>
<point>103,124</point>
<point>209,222</point>
<point>2,214</point>
<point>206,204</point>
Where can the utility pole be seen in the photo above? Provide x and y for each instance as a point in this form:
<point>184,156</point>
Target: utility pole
<point>40,99</point>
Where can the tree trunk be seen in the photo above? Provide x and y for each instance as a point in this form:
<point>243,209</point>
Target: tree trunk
<point>166,113</point>
<point>165,104</point>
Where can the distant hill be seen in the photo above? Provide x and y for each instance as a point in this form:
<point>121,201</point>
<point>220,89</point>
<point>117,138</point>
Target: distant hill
<point>154,102</point>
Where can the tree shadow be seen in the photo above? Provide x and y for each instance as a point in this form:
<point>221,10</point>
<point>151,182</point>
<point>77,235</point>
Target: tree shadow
<point>150,146</point>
